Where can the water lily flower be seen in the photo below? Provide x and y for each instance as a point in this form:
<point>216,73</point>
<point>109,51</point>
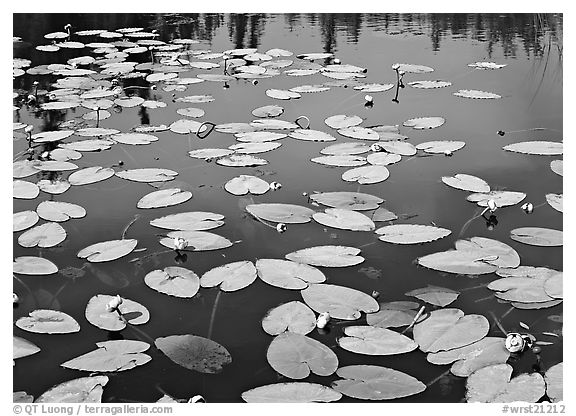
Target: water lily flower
<point>197,399</point>
<point>376,147</point>
<point>448,153</point>
<point>275,186</point>
<point>336,61</point>
<point>528,207</point>
<point>45,155</point>
<point>114,303</point>
<point>15,298</point>
<point>281,227</point>
<point>516,342</point>
<point>492,205</point>
<point>180,243</point>
<point>375,294</point>
<point>323,320</point>
<point>368,98</point>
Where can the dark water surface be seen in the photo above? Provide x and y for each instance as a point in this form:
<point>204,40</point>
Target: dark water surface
<point>531,90</point>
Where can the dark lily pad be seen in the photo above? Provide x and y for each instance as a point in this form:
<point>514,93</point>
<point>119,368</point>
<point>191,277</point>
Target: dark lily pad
<point>194,352</point>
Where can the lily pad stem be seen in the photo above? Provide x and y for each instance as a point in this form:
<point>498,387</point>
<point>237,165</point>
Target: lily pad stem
<point>211,326</point>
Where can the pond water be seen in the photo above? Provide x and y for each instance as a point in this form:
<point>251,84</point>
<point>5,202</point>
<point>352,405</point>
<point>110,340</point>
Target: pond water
<point>530,86</point>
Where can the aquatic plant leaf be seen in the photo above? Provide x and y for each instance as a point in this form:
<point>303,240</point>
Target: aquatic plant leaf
<point>466,183</point>
<point>23,348</point>
<point>268,111</point>
<point>51,136</point>
<point>554,382</point>
<point>46,321</point>
<point>293,317</point>
<point>446,329</point>
<point>411,233</point>
<point>553,286</point>
<point>492,251</point>
<point>527,271</point>
<point>230,277</point>
<point>522,289</point>
<point>108,250</point>
<point>233,128</point>
<point>197,240</point>
<point>307,89</point>
<point>134,138</point>
<point>23,220</point>
<point>295,356</point>
<point>194,352</point>
<point>373,88</point>
<point>147,175</point>
<point>191,112</point>
<point>128,102</point>
<point>31,265</point>
<point>556,201</point>
<point>435,295</point>
<point>366,174</point>
<point>476,94</point>
<point>312,56</point>
<point>24,168</point>
<point>501,198</point>
<point>95,131</point>
<point>282,94</point>
<point>209,153</point>
<point>300,73</point>
<point>429,84</point>
<point>536,148</point>
<point>457,262</point>
<point>53,187</point>
<point>185,126</point>
<point>111,356</point>
<point>237,160</point>
<point>22,397</point>
<point>422,123</point>
<point>294,392</point>
<point>195,99</point>
<point>164,198</point>
<point>189,221</point>
<point>557,167</point>
<point>174,281</point>
<point>254,147</point>
<point>340,301</point>
<point>486,352</point>
<point>286,213</point>
<point>342,121</point>
<point>493,384</point>
<point>411,68</point>
<point>441,146</point>
<point>78,390</point>
<point>349,148</point>
<point>342,75</point>
<point>359,133</point>
<point>59,105</point>
<point>347,200</point>
<point>536,236</point>
<point>59,211</point>
<point>382,214</point>
<point>161,76</point>
<point>344,219</point>
<point>327,256</point>
<point>55,166</point>
<point>24,189</point>
<point>393,314</point>
<point>383,158</point>
<point>398,147</point>
<point>65,154</point>
<point>244,184</point>
<point>370,382</point>
<point>288,274</point>
<point>259,136</point>
<point>90,145</point>
<point>90,175</point>
<point>269,124</point>
<point>486,65</point>
<point>536,305</point>
<point>46,235</point>
<point>370,340</point>
<point>312,135</point>
<point>98,315</point>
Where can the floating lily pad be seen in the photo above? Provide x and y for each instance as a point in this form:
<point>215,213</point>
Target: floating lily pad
<point>95,131</point>
<point>307,89</point>
<point>535,236</point>
<point>195,99</point>
<point>366,174</point>
<point>259,136</point>
<point>134,138</point>
<point>458,262</point>
<point>493,384</point>
<point>359,133</point>
<point>185,126</point>
<point>285,213</point>
<point>373,88</point>
<point>476,94</point>
<point>522,289</point>
<point>554,382</point>
<point>254,147</point>
<point>422,123</point>
<point>370,382</point>
<point>23,348</point>
<point>344,219</point>
<point>446,329</point>
<point>197,240</point>
<point>411,233</point>
<point>292,317</point>
<point>90,145</point>
<point>350,148</point>
<point>295,356</point>
<point>241,161</point>
<point>129,102</point>
<point>393,314</point>
<point>189,221</point>
<point>46,321</point>
<point>33,266</point>
<point>244,184</point>
<point>382,214</point>
<point>486,65</point>
<point>59,105</point>
<point>342,121</point>
<point>314,55</point>
<point>383,158</point>
<point>112,356</point>
<point>209,153</point>
<point>282,94</point>
<point>312,135</point>
<point>553,286</point>
<point>24,168</point>
<point>434,295</point>
<point>341,302</point>
<point>90,175</point>
<point>501,198</point>
<point>46,235</point>
<point>371,340</point>
<point>23,397</point>
<point>466,183</point>
<point>230,277</point>
<point>190,112</point>
<point>295,392</point>
<point>108,250</point>
<point>24,189</point>
<point>98,315</point>
<point>147,175</point>
<point>398,147</point>
<point>441,146</point>
<point>268,111</point>
<point>194,352</point>
<point>411,68</point>
<point>556,201</point>
<point>55,166</point>
<point>491,251</point>
<point>429,84</point>
<point>536,148</point>
<point>23,220</point>
<point>53,187</point>
<point>275,124</point>
<point>65,154</point>
<point>233,128</point>
<point>79,390</point>
<point>288,274</point>
<point>164,198</point>
<point>59,211</point>
<point>347,200</point>
<point>327,256</point>
<point>174,281</point>
<point>51,136</point>
<point>557,167</point>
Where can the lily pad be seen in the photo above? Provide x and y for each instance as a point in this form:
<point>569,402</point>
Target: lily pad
<point>435,295</point>
<point>501,198</point>
<point>268,111</point>
<point>164,198</point>
<point>24,189</point>
<point>195,99</point>
<point>441,146</point>
<point>383,158</point>
<point>312,135</point>
<point>446,329</point>
<point>108,250</point>
<point>522,289</point>
<point>429,84</point>
<point>134,138</point>
<point>194,352</point>
<point>373,88</point>
<point>23,348</point>
<point>371,340</point>
<point>46,321</point>
<point>288,274</point>
<point>556,201</point>
<point>46,235</point>
<point>366,174</point>
<point>129,102</point>
<point>295,392</point>
<point>273,124</point>
<point>174,281</point>
<point>370,382</point>
<point>259,136</point>
<point>185,126</point>
<point>191,112</point>
<point>458,262</point>
<point>98,315</point>
<point>189,221</point>
<point>197,240</point>
<point>24,168</point>
<point>492,251</point>
<point>347,200</point>
<point>553,286</point>
<point>209,153</point>
<point>295,356</point>
<point>90,145</point>
<point>554,382</point>
<point>111,356</point>
<point>53,187</point>
<point>307,89</point>
<point>51,136</point>
<point>476,94</point>
<point>241,161</point>
<point>339,301</point>
<point>282,94</point>
<point>393,314</point>
<point>292,317</point>
<point>79,390</point>
<point>285,213</point>
<point>344,219</point>
<point>359,133</point>
<point>536,148</point>
<point>557,167</point>
<point>398,147</point>
<point>147,175</point>
<point>382,214</point>
<point>59,211</point>
<point>254,147</point>
<point>31,265</point>
<point>244,184</point>
<point>411,233</point>
<point>423,123</point>
<point>466,183</point>
<point>412,68</point>
<point>493,384</point>
<point>230,277</point>
<point>23,220</point>
<point>536,236</point>
<point>55,166</point>
<point>90,175</point>
<point>327,256</point>
<point>350,148</point>
<point>342,121</point>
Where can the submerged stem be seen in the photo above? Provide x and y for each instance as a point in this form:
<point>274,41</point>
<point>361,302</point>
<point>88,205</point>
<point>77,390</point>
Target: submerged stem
<point>211,326</point>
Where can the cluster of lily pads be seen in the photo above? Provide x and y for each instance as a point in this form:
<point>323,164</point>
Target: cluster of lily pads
<point>94,82</point>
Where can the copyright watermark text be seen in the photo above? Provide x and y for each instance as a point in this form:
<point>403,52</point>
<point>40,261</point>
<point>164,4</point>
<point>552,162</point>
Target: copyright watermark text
<point>89,409</point>
<point>539,408</point>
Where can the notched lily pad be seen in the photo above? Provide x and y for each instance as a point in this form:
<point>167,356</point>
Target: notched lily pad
<point>111,356</point>
<point>131,312</point>
<point>46,321</point>
<point>370,340</point>
<point>294,392</point>
<point>293,317</point>
<point>174,281</point>
<point>108,250</point>
<point>288,274</point>
<point>340,301</point>
<point>285,213</point>
<point>230,277</point>
<point>411,233</point>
